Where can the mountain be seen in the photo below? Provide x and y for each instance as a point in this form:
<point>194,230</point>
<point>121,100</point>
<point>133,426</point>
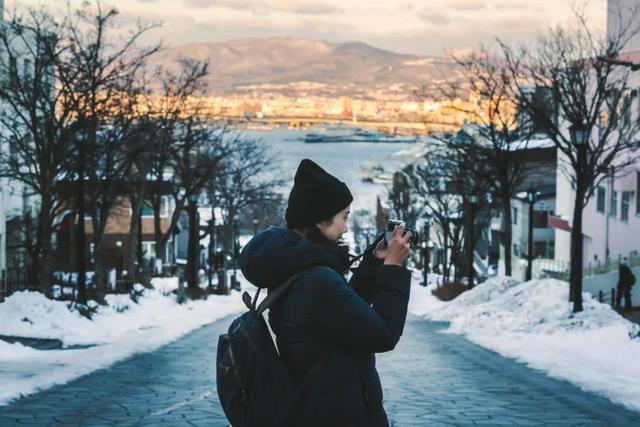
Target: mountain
<point>294,65</point>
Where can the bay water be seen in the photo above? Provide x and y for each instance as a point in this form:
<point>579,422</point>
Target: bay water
<point>344,160</point>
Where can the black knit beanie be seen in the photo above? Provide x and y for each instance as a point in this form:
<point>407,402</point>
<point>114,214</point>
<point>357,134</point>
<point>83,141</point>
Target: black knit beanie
<point>316,196</point>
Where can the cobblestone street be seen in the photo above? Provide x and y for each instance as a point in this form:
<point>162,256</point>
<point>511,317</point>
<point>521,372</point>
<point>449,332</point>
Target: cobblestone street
<point>430,379</point>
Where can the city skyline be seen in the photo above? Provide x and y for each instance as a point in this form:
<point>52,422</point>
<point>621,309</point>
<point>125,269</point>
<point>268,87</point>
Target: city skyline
<point>405,27</point>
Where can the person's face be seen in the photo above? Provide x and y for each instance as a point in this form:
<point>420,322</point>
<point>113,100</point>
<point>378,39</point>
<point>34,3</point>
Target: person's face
<point>334,228</point>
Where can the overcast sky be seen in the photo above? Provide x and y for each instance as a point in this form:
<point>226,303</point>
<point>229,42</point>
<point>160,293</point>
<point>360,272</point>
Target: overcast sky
<point>420,27</point>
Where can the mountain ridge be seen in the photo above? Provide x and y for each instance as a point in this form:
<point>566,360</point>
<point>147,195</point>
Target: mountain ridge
<point>278,65</point>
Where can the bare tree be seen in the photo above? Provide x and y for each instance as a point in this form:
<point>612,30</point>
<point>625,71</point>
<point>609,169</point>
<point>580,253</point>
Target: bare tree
<point>249,179</point>
<point>36,127</point>
<point>169,105</point>
<point>100,79</point>
<point>439,191</point>
<point>582,73</point>
<point>497,134</point>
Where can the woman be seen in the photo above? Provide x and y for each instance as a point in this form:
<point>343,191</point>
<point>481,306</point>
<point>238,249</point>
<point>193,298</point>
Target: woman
<point>321,318</point>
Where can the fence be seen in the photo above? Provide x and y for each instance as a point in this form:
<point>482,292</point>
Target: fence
<point>12,281</point>
<point>559,269</point>
<point>608,297</point>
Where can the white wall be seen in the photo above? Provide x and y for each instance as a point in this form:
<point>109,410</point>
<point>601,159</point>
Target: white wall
<point>606,282</point>
<point>618,8</point>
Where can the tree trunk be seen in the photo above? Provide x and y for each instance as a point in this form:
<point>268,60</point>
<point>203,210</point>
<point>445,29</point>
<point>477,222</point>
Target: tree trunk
<point>44,253</point>
<point>135,199</point>
<point>193,257</point>
<point>157,234</point>
<point>575,275</point>
<point>508,235</point>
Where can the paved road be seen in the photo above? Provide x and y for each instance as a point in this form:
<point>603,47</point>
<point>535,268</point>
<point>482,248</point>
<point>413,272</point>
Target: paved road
<point>431,379</point>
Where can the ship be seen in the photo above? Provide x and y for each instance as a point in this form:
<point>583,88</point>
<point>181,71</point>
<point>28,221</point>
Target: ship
<point>339,133</point>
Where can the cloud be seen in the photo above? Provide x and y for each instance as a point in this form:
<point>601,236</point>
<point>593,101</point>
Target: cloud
<point>306,8</point>
<point>466,4</point>
<point>228,4</point>
<point>265,7</point>
<point>434,17</point>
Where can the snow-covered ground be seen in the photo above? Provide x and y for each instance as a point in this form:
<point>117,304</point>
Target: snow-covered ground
<point>532,322</point>
<point>115,332</point>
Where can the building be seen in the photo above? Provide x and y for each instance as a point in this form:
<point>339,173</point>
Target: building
<point>611,219</point>
<point>17,206</point>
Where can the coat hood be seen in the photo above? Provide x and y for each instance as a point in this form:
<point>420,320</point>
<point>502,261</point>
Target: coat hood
<point>276,254</point>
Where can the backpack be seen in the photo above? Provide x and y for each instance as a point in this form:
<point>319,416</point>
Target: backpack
<point>254,386</point>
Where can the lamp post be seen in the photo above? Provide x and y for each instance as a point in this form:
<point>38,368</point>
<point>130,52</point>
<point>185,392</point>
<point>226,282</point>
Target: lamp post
<point>192,269</point>
<point>212,245</point>
<point>425,253</point>
<point>255,226</point>
<point>473,201</point>
<point>228,259</point>
<point>80,140</point>
<point>222,275</point>
<point>580,139</point>
<point>234,280</point>
<point>531,199</point>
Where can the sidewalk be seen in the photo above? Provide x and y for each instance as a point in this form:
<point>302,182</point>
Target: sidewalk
<point>429,379</point>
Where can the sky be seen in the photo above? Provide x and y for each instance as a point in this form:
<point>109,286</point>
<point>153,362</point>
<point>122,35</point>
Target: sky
<point>424,27</point>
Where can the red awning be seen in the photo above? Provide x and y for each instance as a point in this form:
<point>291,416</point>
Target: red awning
<point>559,223</point>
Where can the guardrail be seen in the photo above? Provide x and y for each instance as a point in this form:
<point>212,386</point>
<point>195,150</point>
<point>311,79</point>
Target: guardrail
<point>11,281</point>
<point>559,269</point>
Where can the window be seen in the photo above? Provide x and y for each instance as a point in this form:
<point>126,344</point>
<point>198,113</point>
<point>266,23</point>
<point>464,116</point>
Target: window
<point>614,102</point>
<point>613,208</point>
<point>13,72</point>
<point>514,216</point>
<point>26,69</point>
<point>147,208</point>
<point>624,207</point>
<point>516,249</point>
<point>601,197</point>
<point>540,219</point>
<point>626,110</point>
<point>638,192</point>
<point>149,250</point>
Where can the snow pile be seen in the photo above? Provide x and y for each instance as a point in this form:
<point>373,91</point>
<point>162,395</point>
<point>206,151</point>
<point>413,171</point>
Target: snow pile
<point>532,322</point>
<point>165,284</point>
<point>116,331</point>
<point>422,302</point>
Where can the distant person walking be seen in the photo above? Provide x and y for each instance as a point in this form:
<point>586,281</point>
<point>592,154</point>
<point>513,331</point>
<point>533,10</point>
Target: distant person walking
<point>626,280</point>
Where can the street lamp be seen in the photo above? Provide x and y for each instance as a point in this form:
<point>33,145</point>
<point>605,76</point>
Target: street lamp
<point>192,270</point>
<point>425,253</point>
<point>80,137</point>
<point>212,244</point>
<point>234,281</point>
<point>473,201</point>
<point>255,226</point>
<point>580,138</point>
<point>531,199</point>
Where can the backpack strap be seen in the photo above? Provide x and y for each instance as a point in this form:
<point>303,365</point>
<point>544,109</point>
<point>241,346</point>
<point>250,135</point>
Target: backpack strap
<point>275,293</point>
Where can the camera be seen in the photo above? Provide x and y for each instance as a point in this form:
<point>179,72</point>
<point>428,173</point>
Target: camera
<point>392,224</point>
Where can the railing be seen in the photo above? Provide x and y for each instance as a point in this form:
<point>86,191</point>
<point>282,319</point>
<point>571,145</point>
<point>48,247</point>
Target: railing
<point>559,269</point>
<point>609,297</point>
<point>12,281</point>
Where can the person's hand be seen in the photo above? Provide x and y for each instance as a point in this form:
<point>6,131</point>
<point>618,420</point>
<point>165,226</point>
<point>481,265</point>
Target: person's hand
<point>380,251</point>
<point>398,249</point>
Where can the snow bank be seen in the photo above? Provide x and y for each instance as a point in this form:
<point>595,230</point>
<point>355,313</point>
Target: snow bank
<point>117,331</point>
<point>533,323</point>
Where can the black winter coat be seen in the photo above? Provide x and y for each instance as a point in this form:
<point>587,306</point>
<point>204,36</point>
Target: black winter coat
<point>322,314</point>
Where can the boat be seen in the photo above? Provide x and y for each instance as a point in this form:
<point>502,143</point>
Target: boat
<point>336,133</point>
<point>364,135</point>
<point>350,134</point>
